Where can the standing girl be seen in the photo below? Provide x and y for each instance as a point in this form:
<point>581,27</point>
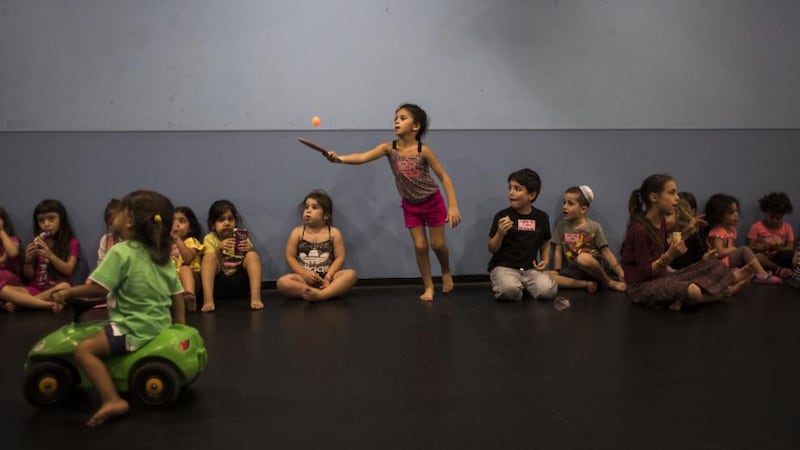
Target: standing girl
<point>229,268</point>
<point>144,295</point>
<point>49,260</point>
<point>9,254</point>
<point>722,214</point>
<point>423,205</point>
<point>186,252</point>
<point>646,254</point>
<point>315,253</point>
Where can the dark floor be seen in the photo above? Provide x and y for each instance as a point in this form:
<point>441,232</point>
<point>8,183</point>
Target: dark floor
<point>384,370</point>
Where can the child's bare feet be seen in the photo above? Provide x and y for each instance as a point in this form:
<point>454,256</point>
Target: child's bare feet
<point>617,285</point>
<point>9,307</point>
<point>591,286</point>
<point>190,301</point>
<point>256,303</point>
<point>310,294</point>
<point>447,283</point>
<point>207,307</point>
<point>56,307</point>
<point>427,296</point>
<point>108,410</point>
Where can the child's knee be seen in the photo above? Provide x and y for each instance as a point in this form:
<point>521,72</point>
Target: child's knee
<point>507,290</point>
<point>584,260</point>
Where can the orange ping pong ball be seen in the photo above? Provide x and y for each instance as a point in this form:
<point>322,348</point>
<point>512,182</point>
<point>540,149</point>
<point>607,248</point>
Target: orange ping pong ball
<point>316,121</point>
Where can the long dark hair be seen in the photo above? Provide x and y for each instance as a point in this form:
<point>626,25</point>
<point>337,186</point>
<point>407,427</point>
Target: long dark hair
<point>420,118</point>
<point>639,204</point>
<point>60,238</point>
<point>151,213</point>
<point>194,225</point>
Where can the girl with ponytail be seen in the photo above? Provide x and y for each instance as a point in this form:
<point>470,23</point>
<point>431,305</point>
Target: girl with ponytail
<point>648,251</point>
<point>144,294</point>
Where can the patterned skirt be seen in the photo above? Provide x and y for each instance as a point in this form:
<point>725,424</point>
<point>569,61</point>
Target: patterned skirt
<point>712,276</point>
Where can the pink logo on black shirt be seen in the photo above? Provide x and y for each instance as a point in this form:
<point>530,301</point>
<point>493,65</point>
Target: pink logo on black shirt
<point>526,225</point>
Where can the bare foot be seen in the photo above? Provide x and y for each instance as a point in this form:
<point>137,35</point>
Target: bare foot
<point>207,307</point>
<point>427,296</point>
<point>108,410</point>
<point>256,303</point>
<point>447,283</point>
<point>310,294</point>
<point>56,307</point>
<point>9,307</point>
<point>190,301</point>
<point>591,286</point>
<point>676,305</point>
<point>617,285</point>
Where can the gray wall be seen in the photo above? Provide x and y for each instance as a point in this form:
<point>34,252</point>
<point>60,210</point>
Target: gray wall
<point>503,64</point>
<point>204,99</point>
<point>266,174</point>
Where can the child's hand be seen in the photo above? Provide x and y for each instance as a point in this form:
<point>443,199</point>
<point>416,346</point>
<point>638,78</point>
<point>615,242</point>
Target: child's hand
<point>312,278</point>
<point>504,224</point>
<point>676,248</point>
<point>227,245</point>
<point>333,157</point>
<point>245,246</point>
<point>541,265</point>
<point>453,216</point>
<point>175,236</point>
<point>58,297</point>
<point>325,283</point>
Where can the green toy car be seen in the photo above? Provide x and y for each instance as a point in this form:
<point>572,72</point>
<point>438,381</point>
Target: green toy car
<point>153,374</point>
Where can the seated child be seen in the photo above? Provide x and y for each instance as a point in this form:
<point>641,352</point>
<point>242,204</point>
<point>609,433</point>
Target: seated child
<point>722,214</point>
<point>49,260</point>
<point>111,237</point>
<point>9,254</point>
<point>229,268</point>
<point>771,238</point>
<point>794,281</point>
<point>696,248</point>
<point>186,252</point>
<point>315,253</point>
<point>518,236</point>
<point>581,241</point>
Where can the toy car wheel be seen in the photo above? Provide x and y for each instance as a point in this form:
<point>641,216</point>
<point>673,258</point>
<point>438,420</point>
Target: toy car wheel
<point>48,384</point>
<point>155,384</point>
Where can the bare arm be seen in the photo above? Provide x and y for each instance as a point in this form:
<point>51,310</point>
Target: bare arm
<point>90,290</point>
<point>361,158</point>
<point>339,251</point>
<point>544,251</point>
<point>503,225</point>
<point>453,214</point>
<point>611,259</point>
<point>11,249</point>
<point>557,257</point>
<point>187,254</point>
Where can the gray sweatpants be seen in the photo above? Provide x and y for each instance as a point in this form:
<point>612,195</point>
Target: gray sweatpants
<point>508,284</point>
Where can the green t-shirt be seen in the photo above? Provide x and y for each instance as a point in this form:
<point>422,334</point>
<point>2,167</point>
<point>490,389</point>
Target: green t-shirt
<point>140,292</point>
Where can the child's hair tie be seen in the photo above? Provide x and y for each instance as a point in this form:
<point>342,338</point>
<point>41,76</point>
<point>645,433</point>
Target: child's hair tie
<point>157,218</point>
<point>587,193</point>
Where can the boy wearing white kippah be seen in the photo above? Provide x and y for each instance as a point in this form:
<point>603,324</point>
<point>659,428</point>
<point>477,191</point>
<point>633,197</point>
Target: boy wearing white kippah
<point>582,257</point>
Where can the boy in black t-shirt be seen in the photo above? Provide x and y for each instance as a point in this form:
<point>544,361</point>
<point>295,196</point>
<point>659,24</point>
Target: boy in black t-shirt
<point>519,234</point>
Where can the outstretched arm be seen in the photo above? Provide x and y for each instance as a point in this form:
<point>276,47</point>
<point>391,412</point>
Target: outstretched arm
<point>360,158</point>
<point>91,290</point>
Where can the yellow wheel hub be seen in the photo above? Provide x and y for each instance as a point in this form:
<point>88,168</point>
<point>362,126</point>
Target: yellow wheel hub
<point>48,385</point>
<point>154,386</point>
